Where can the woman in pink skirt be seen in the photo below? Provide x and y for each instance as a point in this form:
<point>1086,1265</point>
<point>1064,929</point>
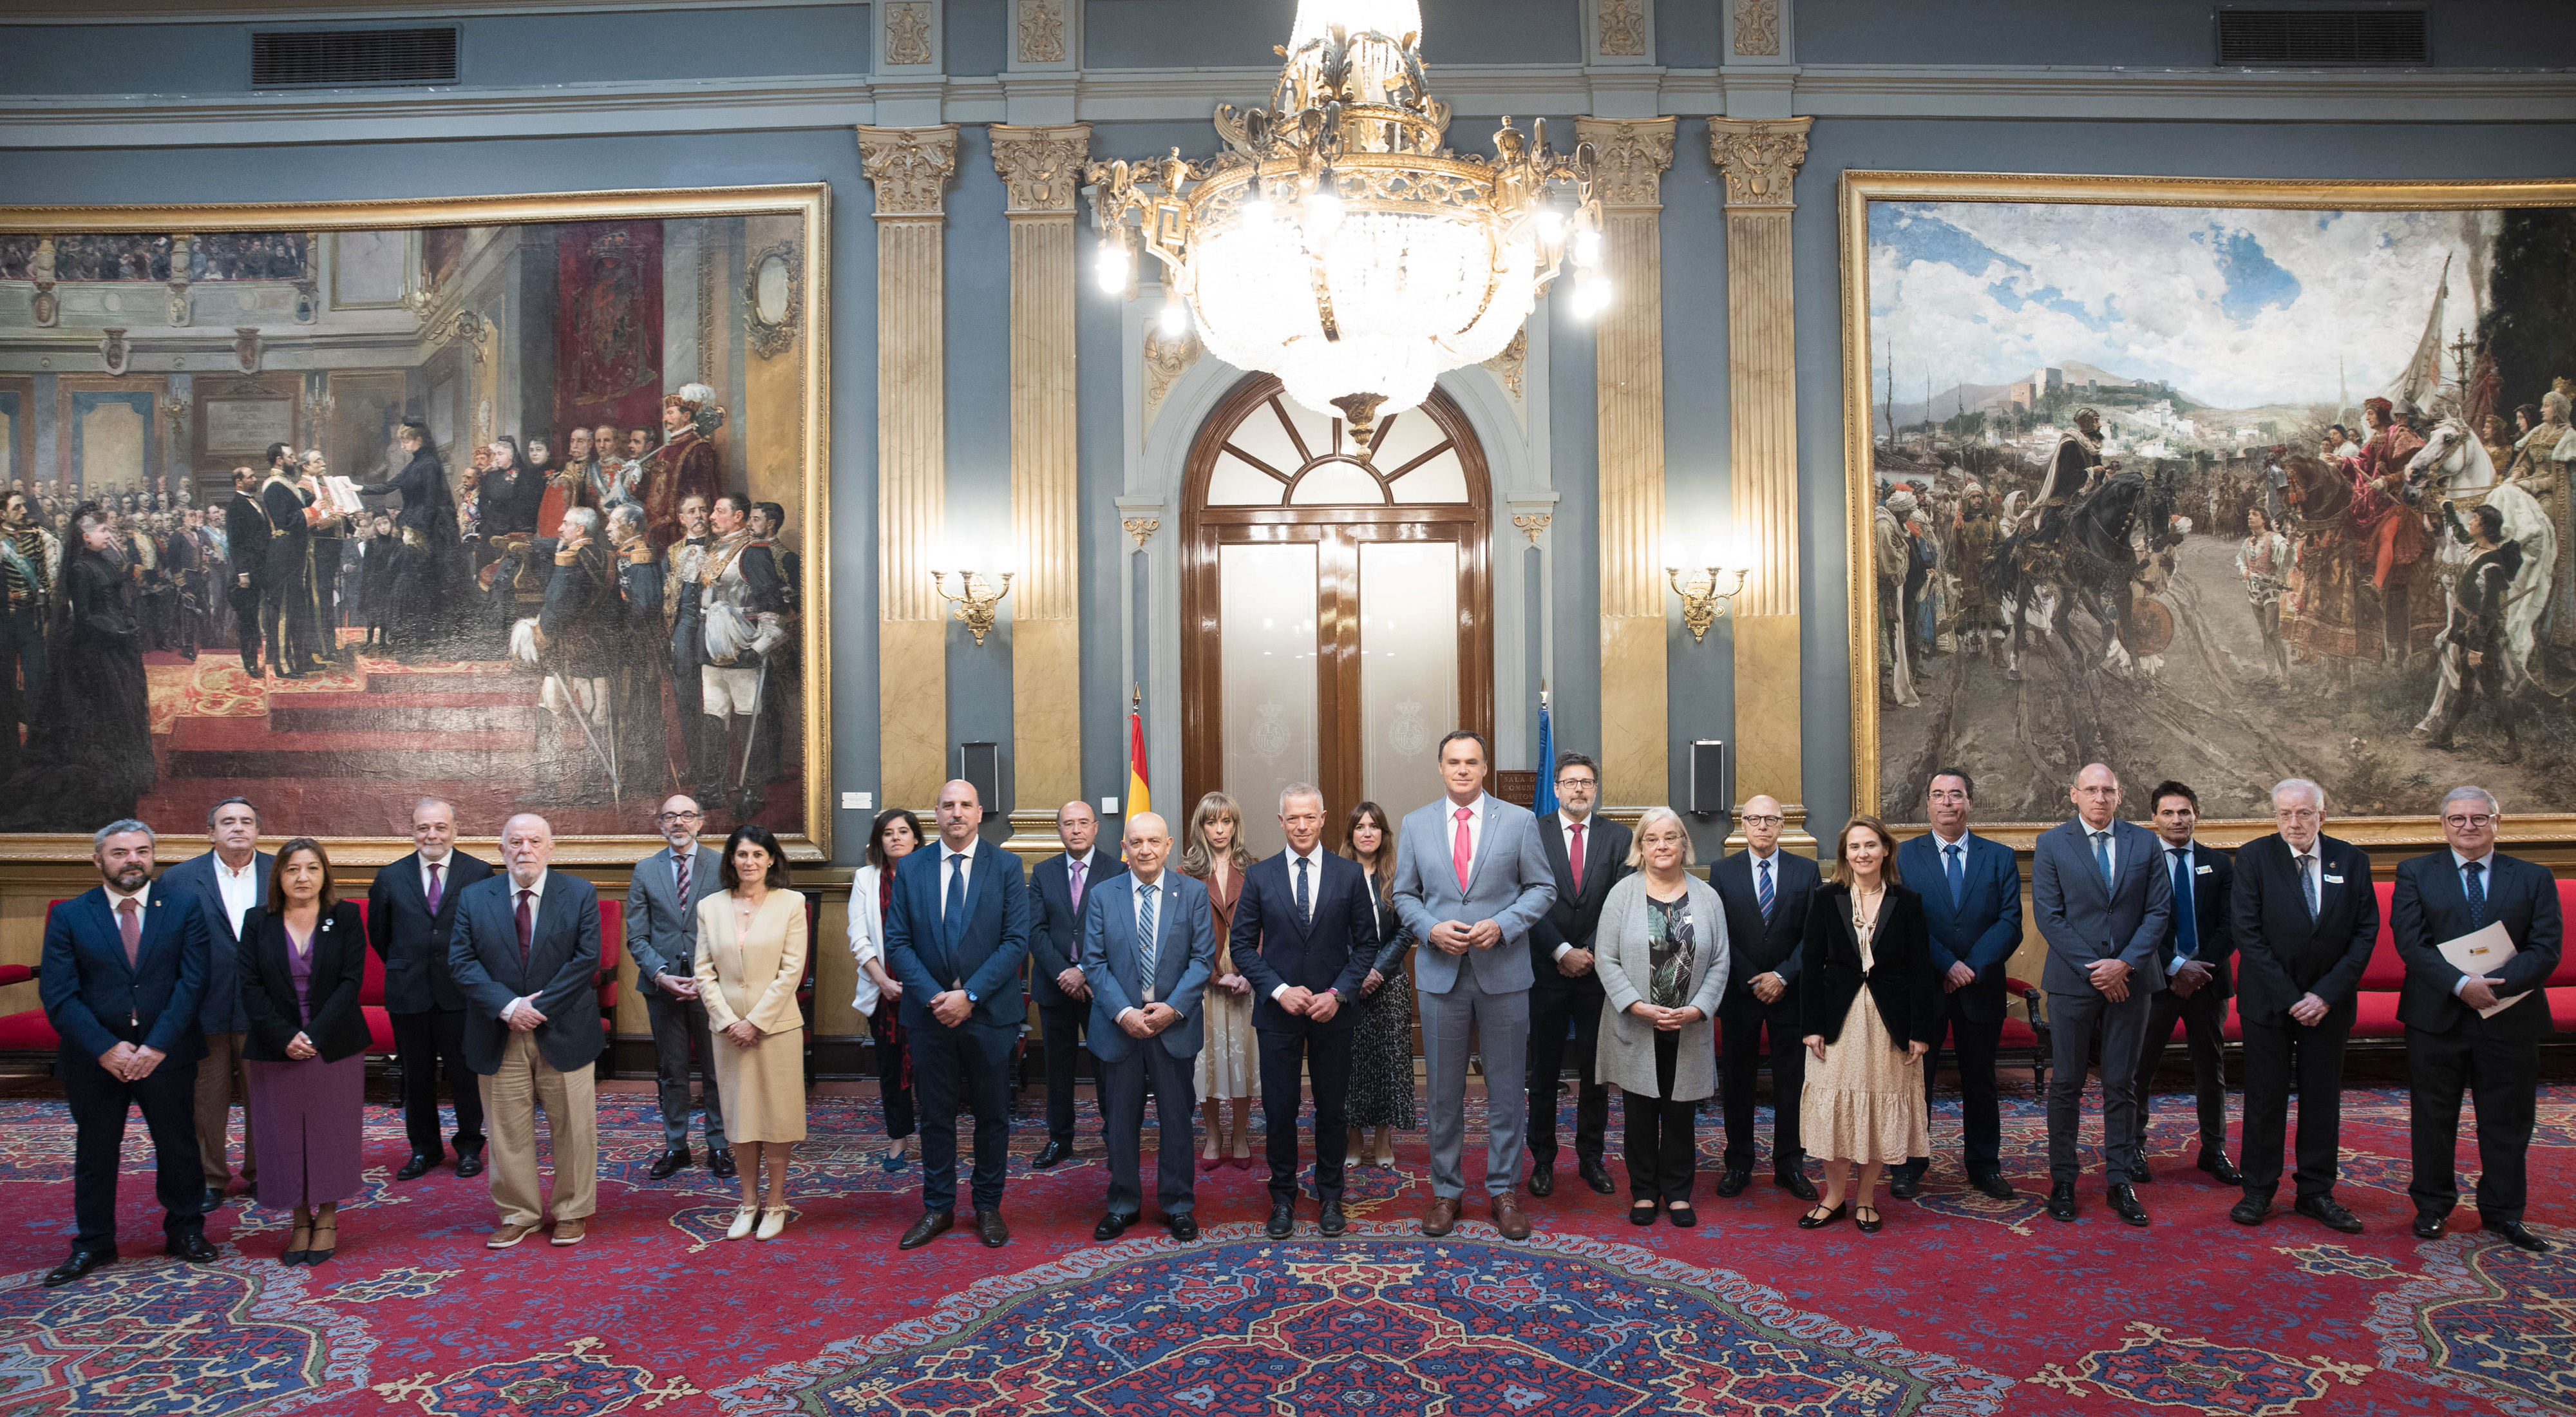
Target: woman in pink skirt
<point>303,957</point>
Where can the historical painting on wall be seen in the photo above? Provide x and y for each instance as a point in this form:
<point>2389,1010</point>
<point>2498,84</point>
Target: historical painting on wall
<point>511,501</point>
<point>2222,482</point>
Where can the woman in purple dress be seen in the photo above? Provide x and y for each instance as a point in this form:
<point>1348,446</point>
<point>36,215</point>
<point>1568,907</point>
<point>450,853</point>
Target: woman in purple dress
<point>303,958</point>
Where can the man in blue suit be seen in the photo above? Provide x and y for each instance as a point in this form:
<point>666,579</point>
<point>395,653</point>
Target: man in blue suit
<point>124,973</point>
<point>1057,888</point>
<point>1148,945</point>
<point>230,881</point>
<point>1304,935</point>
<point>956,936</point>
<point>1972,900</point>
<point>2104,906</point>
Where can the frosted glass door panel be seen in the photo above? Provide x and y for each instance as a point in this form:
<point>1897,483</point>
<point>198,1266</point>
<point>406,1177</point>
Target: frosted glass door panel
<point>1266,621</point>
<point>1408,667</point>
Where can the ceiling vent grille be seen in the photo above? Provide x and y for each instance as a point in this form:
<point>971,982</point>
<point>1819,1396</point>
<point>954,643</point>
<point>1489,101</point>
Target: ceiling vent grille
<point>2283,37</point>
<point>291,59</point>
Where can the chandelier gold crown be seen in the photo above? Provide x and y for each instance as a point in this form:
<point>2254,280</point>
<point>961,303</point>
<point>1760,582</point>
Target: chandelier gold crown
<point>1336,241</point>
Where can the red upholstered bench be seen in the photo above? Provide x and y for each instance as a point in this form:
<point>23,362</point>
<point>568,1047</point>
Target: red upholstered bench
<point>2385,976</point>
<point>26,1031</point>
<point>2029,1032</point>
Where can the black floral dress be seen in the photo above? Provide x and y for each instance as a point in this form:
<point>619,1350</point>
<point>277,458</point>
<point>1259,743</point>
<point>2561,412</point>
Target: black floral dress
<point>1381,1092</point>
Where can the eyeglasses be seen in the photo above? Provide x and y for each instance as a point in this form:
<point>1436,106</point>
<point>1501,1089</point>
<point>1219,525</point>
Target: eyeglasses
<point>679,817</point>
<point>1767,821</point>
<point>2478,822</point>
<point>1574,781</point>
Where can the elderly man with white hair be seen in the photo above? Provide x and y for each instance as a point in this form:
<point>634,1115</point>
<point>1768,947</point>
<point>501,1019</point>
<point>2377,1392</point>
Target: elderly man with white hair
<point>2306,919</point>
<point>2474,1030</point>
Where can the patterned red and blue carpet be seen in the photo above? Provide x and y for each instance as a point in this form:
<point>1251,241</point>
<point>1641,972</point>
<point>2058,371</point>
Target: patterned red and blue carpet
<point>1962,1306</point>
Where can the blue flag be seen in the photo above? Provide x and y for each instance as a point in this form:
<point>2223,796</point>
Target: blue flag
<point>1546,802</point>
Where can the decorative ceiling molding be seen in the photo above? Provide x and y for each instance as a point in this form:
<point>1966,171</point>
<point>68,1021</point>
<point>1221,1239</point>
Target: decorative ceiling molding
<point>191,12</point>
<point>1132,95</point>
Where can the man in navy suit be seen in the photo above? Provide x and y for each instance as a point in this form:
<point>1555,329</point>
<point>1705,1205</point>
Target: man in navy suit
<point>1057,888</point>
<point>1972,900</point>
<point>1589,854</point>
<point>411,915</point>
<point>2306,919</point>
<point>1304,934</point>
<point>524,949</point>
<point>2452,1044</point>
<point>123,975</point>
<point>2104,906</point>
<point>2196,976</point>
<point>1148,946</point>
<point>230,881</point>
<point>956,936</point>
<point>1765,892</point>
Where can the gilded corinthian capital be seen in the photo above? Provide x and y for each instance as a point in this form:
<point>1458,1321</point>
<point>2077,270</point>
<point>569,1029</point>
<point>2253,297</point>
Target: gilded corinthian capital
<point>910,167</point>
<point>1760,158</point>
<point>1041,167</point>
<point>1629,158</point>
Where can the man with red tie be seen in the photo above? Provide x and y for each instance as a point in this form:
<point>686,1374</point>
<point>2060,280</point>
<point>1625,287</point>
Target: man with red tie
<point>411,913</point>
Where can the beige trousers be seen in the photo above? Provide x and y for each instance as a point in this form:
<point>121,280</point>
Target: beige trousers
<point>512,1097</point>
<point>218,1073</point>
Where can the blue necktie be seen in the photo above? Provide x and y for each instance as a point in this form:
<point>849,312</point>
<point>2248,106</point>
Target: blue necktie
<point>1762,887</point>
<point>1958,873</point>
<point>2102,855</point>
<point>952,911</point>
<point>2477,891</point>
<point>1145,940</point>
<point>2308,886</point>
<point>1305,911</point>
<point>2186,932</point>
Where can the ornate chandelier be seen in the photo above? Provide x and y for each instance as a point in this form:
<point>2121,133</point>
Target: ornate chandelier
<point>1335,241</point>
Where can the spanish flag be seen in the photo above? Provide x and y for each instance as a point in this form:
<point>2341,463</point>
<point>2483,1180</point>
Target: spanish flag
<point>1140,798</point>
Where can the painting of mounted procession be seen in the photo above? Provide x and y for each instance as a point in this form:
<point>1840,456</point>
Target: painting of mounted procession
<point>2220,481</point>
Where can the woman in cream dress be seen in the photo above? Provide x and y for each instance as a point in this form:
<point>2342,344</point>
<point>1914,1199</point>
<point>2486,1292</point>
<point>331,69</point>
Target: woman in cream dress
<point>1229,1065</point>
<point>751,958</point>
<point>1869,1006</point>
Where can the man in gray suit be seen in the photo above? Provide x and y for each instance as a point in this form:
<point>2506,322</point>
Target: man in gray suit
<point>662,936</point>
<point>2104,904</point>
<point>229,882</point>
<point>1471,878</point>
<point>1148,946</point>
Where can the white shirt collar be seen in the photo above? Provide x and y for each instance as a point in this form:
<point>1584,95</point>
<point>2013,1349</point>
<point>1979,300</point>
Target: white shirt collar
<point>1961,840</point>
<point>142,899</point>
<point>1316,856</point>
<point>2461,863</point>
<point>946,851</point>
<point>538,888</point>
<point>1449,809</point>
<point>2187,848</point>
<point>1083,859</point>
<point>246,867</point>
<point>1569,823</point>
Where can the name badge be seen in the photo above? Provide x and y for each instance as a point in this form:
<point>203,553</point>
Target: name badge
<point>2206,871</point>
<point>2334,880</point>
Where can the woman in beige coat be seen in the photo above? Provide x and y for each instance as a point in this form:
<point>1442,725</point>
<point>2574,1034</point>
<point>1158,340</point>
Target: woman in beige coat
<point>751,958</point>
<point>1661,953</point>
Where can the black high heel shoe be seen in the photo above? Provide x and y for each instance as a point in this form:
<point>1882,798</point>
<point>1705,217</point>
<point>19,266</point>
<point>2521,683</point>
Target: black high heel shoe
<point>1814,1221</point>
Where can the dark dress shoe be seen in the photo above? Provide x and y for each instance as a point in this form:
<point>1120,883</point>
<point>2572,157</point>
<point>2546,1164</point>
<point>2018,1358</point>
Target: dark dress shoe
<point>1682,1215</point>
<point>1796,1184</point>
<point>2217,1164</point>
<point>469,1163</point>
<point>211,1202</point>
<point>81,1262</point>
<point>990,1229</point>
<point>1875,1223</point>
<point>1184,1227</point>
<point>1643,1213</point>
<point>1542,1181</point>
<point>2329,1212</point>
<point>1111,1226</point>
<point>931,1225</point>
<point>2126,1205</point>
<point>2061,1201</point>
<point>2430,1227</point>
<point>1595,1173</point>
<point>1817,1217</point>
<point>1441,1218</point>
<point>192,1248</point>
<point>417,1167</point>
<point>1282,1222</point>
<point>1051,1153</point>
<point>1332,1221</point>
<point>667,1163</point>
<point>1905,1185</point>
<point>721,1164</point>
<point>2518,1237</point>
<point>2144,1177</point>
<point>1992,1184</point>
<point>1732,1181</point>
<point>2251,1210</point>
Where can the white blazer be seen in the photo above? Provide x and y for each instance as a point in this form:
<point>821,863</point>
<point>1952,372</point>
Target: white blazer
<point>867,935</point>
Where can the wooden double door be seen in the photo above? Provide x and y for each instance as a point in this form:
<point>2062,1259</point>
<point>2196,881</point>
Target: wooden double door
<point>1336,609</point>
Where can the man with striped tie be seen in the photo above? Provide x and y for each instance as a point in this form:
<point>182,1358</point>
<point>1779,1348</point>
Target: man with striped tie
<point>1972,900</point>
<point>1765,892</point>
<point>1148,947</point>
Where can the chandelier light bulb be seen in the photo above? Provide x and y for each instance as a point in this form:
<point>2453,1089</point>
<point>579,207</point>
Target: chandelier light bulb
<point>1551,225</point>
<point>1175,318</point>
<point>1587,246</point>
<point>1112,267</point>
<point>1323,213</point>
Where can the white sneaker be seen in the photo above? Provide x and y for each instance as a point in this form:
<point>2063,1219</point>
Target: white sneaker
<point>743,1220</point>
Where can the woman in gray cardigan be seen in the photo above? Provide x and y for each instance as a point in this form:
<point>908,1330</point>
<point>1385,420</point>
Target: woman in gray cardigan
<point>1661,953</point>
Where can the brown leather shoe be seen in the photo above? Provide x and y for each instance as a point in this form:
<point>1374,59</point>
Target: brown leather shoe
<point>931,1225</point>
<point>1508,1218</point>
<point>1441,1218</point>
<point>570,1232</point>
<point>990,1229</point>
<point>508,1235</point>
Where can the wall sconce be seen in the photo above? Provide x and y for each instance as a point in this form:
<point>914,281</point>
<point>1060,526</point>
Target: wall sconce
<point>1702,601</point>
<point>978,598</point>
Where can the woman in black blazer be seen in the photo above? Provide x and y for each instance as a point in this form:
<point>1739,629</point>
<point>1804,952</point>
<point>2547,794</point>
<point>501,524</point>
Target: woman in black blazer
<point>1869,1005</point>
<point>303,958</point>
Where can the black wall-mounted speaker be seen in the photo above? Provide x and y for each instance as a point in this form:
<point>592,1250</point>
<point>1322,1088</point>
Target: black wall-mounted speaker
<point>981,764</point>
<point>1709,792</point>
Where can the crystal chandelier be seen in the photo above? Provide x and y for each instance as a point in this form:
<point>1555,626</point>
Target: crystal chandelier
<point>1335,241</point>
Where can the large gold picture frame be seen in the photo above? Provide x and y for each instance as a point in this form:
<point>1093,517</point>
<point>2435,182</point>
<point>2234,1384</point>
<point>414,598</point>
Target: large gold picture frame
<point>1873,410</point>
<point>789,222</point>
